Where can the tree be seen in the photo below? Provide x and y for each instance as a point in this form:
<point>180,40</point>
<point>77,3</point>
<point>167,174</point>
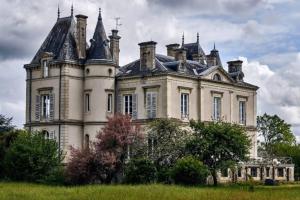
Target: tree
<point>6,139</point>
<point>118,141</point>
<point>32,158</point>
<point>84,167</point>
<point>218,144</point>
<point>274,130</point>
<point>140,171</point>
<point>189,171</point>
<point>5,124</point>
<point>165,141</point>
<point>292,151</point>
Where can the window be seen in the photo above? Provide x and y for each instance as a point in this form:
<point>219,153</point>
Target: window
<point>242,112</point>
<point>253,171</point>
<point>45,106</point>
<point>151,102</point>
<point>45,68</point>
<point>128,104</point>
<point>87,102</point>
<point>280,172</point>
<point>184,105</point>
<point>46,134</point>
<point>268,172</point>
<point>109,103</point>
<point>239,172</point>
<point>224,172</point>
<point>217,108</point>
<point>217,77</point>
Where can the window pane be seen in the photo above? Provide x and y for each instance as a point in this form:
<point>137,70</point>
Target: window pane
<point>109,103</point>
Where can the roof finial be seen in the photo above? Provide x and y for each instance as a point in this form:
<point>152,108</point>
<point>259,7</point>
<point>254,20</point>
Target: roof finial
<point>182,44</point>
<point>198,37</point>
<point>58,12</point>
<point>99,17</point>
<point>72,10</point>
<point>214,46</point>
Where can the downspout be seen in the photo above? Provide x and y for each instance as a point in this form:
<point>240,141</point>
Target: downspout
<point>59,108</point>
<point>30,97</point>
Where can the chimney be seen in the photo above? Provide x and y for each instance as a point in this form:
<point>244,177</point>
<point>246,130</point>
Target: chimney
<point>147,55</point>
<point>171,49</point>
<point>235,70</point>
<point>180,54</point>
<point>114,45</point>
<point>81,35</point>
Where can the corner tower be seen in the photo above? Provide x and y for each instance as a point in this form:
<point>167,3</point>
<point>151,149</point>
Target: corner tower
<point>99,82</point>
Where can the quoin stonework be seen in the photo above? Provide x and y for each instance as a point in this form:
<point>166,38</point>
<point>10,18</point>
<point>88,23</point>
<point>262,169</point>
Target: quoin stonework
<point>72,86</point>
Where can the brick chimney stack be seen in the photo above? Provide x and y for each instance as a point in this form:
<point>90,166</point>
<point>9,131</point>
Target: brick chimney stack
<point>81,35</point>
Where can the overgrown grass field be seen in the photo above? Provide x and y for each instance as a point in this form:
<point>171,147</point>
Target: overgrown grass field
<point>24,191</point>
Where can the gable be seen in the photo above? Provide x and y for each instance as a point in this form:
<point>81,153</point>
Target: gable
<point>216,73</point>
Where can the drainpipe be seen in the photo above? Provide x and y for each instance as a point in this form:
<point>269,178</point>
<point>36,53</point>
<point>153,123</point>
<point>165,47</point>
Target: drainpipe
<point>59,107</point>
<point>30,93</point>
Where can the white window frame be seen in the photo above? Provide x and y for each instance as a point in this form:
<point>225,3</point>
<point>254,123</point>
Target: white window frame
<point>242,112</point>
<point>217,107</point>
<point>109,102</point>
<point>87,102</point>
<point>184,105</point>
<point>127,104</point>
<point>45,106</point>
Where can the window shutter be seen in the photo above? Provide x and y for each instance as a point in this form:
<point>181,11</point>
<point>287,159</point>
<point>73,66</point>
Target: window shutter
<point>154,104</point>
<point>37,107</point>
<point>51,96</point>
<point>52,135</point>
<point>148,105</point>
<point>119,104</point>
<point>134,106</point>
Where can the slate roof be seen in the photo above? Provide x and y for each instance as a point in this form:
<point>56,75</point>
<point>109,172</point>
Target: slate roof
<point>163,64</point>
<point>60,42</point>
<point>193,48</point>
<point>99,44</point>
<point>167,64</point>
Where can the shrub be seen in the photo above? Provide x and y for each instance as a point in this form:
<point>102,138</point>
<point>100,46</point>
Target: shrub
<point>140,170</point>
<point>85,167</point>
<point>189,171</point>
<point>32,158</point>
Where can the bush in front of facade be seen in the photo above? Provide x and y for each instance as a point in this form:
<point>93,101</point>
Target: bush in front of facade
<point>140,171</point>
<point>33,158</point>
<point>189,171</point>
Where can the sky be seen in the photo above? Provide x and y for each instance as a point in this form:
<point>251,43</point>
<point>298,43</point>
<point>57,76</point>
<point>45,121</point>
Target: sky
<point>265,34</point>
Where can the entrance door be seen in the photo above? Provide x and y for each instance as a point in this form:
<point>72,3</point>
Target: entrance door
<point>288,174</point>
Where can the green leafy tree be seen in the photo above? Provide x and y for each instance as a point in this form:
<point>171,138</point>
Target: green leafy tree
<point>5,124</point>
<point>274,131</point>
<point>140,171</point>
<point>6,139</point>
<point>292,151</point>
<point>7,136</point>
<point>32,158</point>
<point>166,141</point>
<point>218,144</point>
<point>189,171</point>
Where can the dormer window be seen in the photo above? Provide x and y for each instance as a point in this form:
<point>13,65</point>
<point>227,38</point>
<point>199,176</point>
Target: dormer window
<point>217,77</point>
<point>45,68</point>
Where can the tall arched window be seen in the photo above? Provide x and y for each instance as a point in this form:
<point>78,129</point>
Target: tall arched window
<point>217,77</point>
<point>46,134</point>
<point>86,141</point>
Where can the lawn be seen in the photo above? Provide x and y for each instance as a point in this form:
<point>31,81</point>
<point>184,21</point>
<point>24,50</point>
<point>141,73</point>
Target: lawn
<point>22,191</point>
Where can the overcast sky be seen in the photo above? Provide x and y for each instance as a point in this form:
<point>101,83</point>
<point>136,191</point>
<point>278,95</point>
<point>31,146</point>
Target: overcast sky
<point>265,34</point>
